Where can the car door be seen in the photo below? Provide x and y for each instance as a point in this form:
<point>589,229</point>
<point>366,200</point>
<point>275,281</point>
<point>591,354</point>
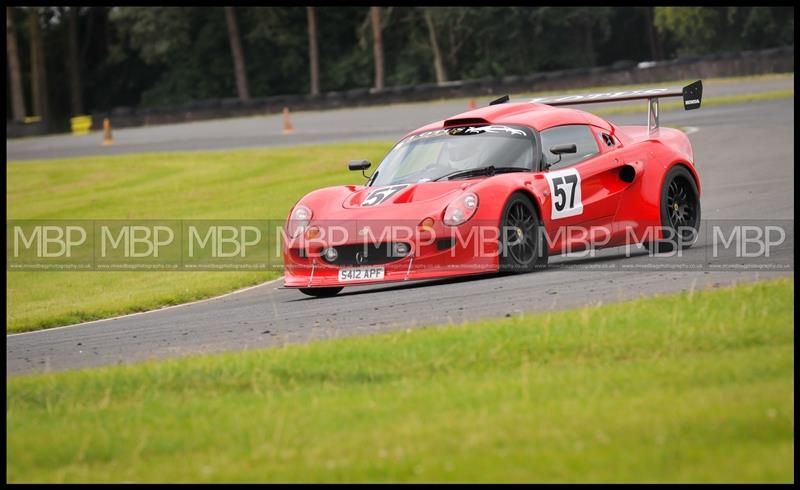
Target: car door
<point>585,187</point>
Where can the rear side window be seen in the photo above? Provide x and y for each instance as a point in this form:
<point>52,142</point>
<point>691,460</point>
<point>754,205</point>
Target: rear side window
<point>578,134</point>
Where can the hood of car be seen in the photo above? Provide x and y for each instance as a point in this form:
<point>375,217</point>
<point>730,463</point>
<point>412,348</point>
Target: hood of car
<point>394,195</point>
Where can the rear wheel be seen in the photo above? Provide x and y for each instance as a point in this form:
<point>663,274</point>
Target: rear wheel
<point>680,211</point>
<point>522,244</point>
<point>321,292</point>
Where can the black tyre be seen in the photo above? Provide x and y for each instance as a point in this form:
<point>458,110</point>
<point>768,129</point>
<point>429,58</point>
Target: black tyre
<point>321,292</point>
<point>680,211</point>
<point>522,241</point>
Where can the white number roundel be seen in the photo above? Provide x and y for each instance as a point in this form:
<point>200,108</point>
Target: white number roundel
<point>565,192</point>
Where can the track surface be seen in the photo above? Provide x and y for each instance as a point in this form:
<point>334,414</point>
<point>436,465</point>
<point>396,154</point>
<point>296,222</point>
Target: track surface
<point>745,156</point>
<point>358,124</point>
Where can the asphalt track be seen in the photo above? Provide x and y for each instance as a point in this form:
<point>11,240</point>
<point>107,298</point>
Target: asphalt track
<point>745,156</point>
<point>356,124</point>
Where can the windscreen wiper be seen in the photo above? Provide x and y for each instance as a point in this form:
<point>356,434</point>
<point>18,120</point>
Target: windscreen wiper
<point>487,170</point>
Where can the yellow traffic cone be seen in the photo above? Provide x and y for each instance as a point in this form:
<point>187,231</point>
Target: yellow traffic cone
<point>287,123</point>
<point>107,138</point>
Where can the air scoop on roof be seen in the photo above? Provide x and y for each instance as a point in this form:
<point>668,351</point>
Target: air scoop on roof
<point>465,121</point>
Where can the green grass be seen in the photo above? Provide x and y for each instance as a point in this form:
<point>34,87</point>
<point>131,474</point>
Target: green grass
<point>692,387</point>
<point>245,184</point>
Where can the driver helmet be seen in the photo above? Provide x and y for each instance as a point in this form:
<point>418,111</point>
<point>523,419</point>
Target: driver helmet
<point>462,151</point>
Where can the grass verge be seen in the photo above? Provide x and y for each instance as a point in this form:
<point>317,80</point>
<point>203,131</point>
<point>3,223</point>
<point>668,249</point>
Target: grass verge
<point>243,184</point>
<point>690,387</point>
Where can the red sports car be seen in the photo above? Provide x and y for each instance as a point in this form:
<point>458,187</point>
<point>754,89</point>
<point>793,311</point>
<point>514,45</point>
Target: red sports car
<point>500,188</point>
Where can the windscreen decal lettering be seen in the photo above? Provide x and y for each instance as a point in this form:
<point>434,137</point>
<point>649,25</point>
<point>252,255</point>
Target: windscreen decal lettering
<point>428,134</point>
<point>495,128</point>
<point>470,130</point>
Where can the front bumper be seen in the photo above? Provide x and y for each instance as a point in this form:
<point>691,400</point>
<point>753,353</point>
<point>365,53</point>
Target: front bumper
<point>310,269</point>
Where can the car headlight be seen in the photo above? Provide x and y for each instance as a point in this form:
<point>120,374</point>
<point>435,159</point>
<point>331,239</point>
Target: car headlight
<point>298,220</point>
<point>461,210</point>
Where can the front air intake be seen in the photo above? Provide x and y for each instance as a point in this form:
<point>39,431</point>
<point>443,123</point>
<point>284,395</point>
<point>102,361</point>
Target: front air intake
<point>369,253</point>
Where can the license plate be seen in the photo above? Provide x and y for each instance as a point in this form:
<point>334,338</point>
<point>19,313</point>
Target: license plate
<point>360,274</point>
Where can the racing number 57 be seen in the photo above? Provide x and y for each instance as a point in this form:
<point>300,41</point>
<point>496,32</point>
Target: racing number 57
<point>565,187</point>
<point>559,183</point>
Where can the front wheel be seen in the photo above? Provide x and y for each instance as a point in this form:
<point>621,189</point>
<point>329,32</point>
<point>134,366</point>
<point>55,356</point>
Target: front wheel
<point>321,292</point>
<point>523,247</point>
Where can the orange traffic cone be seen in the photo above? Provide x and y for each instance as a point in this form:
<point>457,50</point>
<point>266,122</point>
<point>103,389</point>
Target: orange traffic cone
<point>287,123</point>
<point>107,138</point>
<point>472,104</point>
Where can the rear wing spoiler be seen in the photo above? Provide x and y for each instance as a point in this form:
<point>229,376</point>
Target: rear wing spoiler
<point>692,97</point>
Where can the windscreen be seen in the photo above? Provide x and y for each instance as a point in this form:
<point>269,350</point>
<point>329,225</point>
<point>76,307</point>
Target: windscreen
<point>438,154</point>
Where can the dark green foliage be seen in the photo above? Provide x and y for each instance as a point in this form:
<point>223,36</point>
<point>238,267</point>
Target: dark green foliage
<point>703,30</point>
<point>161,56</point>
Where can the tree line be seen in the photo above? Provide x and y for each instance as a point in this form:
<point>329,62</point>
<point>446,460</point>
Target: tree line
<point>66,61</point>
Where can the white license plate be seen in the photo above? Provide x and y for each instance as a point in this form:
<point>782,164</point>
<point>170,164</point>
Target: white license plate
<point>360,274</point>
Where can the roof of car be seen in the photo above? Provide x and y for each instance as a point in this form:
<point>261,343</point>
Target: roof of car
<point>537,116</point>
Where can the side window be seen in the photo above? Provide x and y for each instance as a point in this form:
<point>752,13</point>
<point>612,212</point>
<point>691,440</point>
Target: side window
<point>578,134</point>
<point>608,139</point>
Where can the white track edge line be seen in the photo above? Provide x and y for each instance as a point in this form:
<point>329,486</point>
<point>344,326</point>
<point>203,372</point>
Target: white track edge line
<point>148,311</point>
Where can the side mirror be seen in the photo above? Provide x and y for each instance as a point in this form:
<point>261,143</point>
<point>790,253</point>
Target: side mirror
<point>359,165</point>
<point>565,148</point>
<point>560,150</point>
